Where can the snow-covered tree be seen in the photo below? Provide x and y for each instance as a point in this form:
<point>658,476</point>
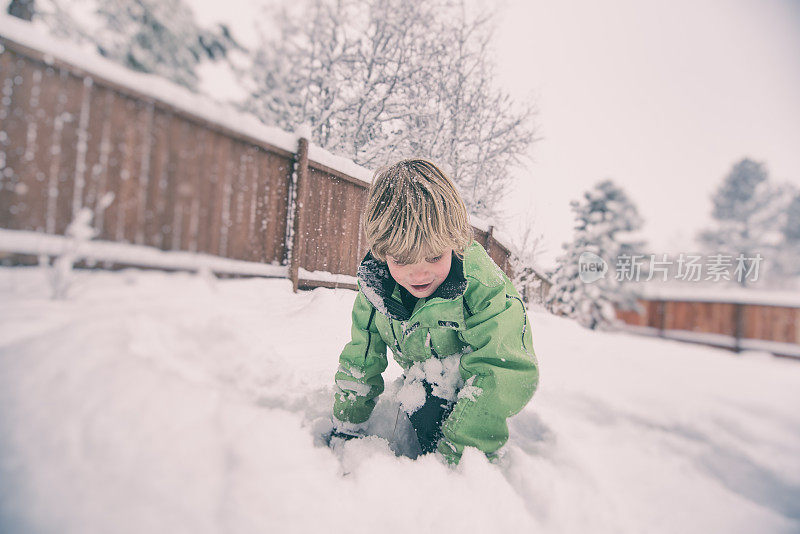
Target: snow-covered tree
<point>21,9</point>
<point>155,36</point>
<point>525,251</point>
<point>791,228</point>
<point>378,80</point>
<point>786,258</point>
<point>747,215</point>
<point>603,216</point>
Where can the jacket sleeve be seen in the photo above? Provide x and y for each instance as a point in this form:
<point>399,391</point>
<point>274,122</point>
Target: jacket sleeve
<point>363,359</point>
<point>501,373</point>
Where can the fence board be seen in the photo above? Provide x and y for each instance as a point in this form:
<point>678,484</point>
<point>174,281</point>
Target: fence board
<point>194,186</point>
<point>32,214</point>
<point>81,147</point>
<point>136,118</point>
<point>773,323</point>
<point>251,176</point>
<point>142,180</point>
<point>158,155</point>
<point>13,103</point>
<point>179,182</point>
<point>251,202</point>
<point>322,221</point>
<point>98,130</point>
<point>338,215</point>
<point>216,191</point>
<point>71,98</point>
<point>236,201</point>
<point>279,176</point>
<point>175,174</point>
<point>117,166</point>
<point>264,197</point>
<point>207,186</point>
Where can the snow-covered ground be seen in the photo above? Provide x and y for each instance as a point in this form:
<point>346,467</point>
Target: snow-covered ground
<point>154,402</point>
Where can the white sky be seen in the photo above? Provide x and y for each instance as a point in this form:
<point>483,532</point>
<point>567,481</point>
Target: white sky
<point>662,97</point>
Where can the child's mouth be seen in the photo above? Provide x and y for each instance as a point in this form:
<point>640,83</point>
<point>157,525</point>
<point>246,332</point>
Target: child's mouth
<point>422,287</point>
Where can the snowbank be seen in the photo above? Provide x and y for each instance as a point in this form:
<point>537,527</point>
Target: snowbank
<point>154,402</point>
<point>721,293</point>
<point>37,243</point>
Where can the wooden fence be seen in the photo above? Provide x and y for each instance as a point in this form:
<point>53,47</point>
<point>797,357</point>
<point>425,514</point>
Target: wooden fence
<point>733,325</point>
<point>180,182</point>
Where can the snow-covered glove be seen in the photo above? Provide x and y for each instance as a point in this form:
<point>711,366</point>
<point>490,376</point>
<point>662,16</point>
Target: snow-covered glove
<point>448,452</point>
<point>344,431</point>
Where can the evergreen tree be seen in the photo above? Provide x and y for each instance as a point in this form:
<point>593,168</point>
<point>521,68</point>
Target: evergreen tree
<point>603,216</point>
<point>791,228</point>
<point>154,36</point>
<point>786,258</point>
<point>23,9</point>
<point>747,213</point>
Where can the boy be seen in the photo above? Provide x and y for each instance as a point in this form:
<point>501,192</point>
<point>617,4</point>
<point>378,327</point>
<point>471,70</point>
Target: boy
<point>433,295</point>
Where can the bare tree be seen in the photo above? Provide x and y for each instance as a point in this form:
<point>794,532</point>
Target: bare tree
<point>378,80</point>
<point>525,252</point>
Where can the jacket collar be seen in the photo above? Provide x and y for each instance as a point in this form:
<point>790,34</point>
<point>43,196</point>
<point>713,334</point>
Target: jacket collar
<point>378,285</point>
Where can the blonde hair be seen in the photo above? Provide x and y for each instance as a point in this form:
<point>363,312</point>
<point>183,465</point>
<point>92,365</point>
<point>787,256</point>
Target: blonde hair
<point>414,212</point>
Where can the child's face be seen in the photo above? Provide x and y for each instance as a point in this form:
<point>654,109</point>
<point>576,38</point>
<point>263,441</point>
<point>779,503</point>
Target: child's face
<point>421,279</point>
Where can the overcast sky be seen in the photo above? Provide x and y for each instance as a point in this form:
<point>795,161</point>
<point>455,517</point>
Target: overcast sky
<point>662,97</point>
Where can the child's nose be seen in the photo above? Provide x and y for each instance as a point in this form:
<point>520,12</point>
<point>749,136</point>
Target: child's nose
<point>419,272</point>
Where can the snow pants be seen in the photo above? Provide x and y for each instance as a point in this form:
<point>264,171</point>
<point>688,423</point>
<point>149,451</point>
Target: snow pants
<point>427,421</point>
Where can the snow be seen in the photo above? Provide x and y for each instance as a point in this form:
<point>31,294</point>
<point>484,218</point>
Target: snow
<point>170,402</point>
<point>219,82</point>
<point>470,391</point>
<point>241,16</point>
<point>719,293</point>
<point>351,385</point>
<point>37,243</point>
<point>479,223</point>
<point>161,90</point>
<point>325,276</point>
<point>718,340</point>
<point>339,163</point>
<point>441,373</point>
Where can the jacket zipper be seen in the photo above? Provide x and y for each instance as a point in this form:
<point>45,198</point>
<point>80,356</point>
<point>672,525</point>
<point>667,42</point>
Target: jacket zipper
<point>524,322</point>
<point>396,343</point>
<point>369,333</point>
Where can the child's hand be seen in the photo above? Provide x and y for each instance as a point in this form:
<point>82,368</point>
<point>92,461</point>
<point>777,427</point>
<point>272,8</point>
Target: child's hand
<point>447,452</point>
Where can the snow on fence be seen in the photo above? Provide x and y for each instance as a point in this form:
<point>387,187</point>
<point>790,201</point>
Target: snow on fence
<point>187,174</point>
<point>736,324</point>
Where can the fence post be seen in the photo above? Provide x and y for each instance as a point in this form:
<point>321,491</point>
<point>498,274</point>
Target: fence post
<point>489,233</point>
<point>738,326</point>
<point>298,250</point>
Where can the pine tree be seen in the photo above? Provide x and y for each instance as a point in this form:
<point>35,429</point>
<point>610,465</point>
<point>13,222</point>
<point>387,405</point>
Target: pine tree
<point>786,258</point>
<point>23,9</point>
<point>791,228</point>
<point>603,216</point>
<point>747,212</point>
<point>154,36</point>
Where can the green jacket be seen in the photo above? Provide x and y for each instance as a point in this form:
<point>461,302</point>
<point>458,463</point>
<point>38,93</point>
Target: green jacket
<point>475,312</point>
